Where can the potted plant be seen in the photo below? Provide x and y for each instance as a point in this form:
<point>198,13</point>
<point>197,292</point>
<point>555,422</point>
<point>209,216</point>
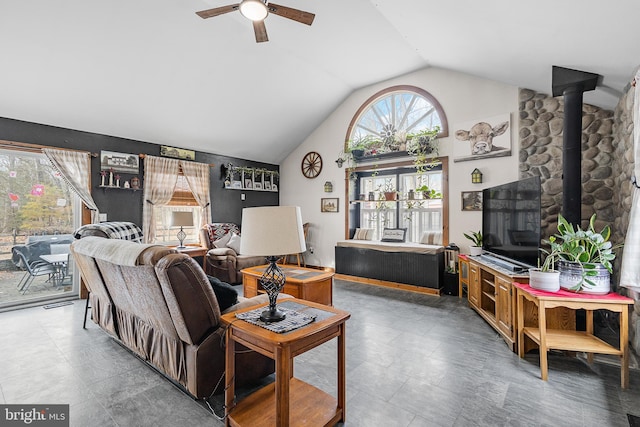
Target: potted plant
<point>545,278</point>
<point>476,239</point>
<point>429,193</point>
<point>584,257</point>
<point>358,146</point>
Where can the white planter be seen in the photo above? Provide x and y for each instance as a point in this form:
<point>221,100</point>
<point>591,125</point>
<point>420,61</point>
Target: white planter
<point>548,281</point>
<point>475,250</point>
<point>571,274</point>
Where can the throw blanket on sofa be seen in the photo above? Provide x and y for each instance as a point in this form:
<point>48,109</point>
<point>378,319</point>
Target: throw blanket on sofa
<point>115,230</point>
<point>114,251</point>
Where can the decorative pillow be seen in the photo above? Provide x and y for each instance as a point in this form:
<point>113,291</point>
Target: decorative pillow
<point>234,243</point>
<point>396,235</point>
<point>431,238</point>
<point>225,293</point>
<point>222,242</point>
<point>363,234</point>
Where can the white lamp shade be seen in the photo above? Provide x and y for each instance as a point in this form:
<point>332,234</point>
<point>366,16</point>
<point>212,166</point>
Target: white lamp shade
<point>254,10</point>
<point>182,219</point>
<point>272,231</point>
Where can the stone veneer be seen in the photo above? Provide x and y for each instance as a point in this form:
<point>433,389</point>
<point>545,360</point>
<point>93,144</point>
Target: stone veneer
<point>607,166</point>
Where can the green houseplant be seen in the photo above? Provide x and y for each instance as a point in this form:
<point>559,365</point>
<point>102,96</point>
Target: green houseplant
<point>584,256</point>
<point>429,193</point>
<point>476,238</point>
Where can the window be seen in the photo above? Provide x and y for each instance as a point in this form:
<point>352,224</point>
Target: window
<point>40,210</point>
<point>182,201</point>
<point>412,212</point>
<point>389,116</point>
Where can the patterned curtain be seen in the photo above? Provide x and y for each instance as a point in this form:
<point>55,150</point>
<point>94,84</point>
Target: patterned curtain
<point>197,176</point>
<point>160,177</point>
<point>75,168</point>
<point>630,272</point>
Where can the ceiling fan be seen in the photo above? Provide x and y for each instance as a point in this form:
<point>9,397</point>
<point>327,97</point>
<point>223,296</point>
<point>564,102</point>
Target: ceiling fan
<point>257,11</point>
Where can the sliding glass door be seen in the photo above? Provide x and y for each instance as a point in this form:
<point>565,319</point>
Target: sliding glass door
<point>38,214</point>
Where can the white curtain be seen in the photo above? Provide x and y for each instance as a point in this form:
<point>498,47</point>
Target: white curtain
<point>160,177</point>
<point>630,272</point>
<point>197,176</point>
<point>75,168</point>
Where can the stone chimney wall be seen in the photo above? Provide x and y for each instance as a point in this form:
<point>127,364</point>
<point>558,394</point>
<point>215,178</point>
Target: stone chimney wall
<point>541,132</point>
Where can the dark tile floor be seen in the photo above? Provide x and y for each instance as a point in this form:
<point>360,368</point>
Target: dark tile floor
<point>412,360</point>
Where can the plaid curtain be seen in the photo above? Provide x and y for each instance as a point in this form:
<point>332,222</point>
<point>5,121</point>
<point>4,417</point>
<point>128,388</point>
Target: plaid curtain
<point>197,176</point>
<point>160,177</point>
<point>75,169</point>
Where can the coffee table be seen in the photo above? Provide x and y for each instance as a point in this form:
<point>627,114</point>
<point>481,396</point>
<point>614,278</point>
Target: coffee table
<point>289,401</point>
<point>305,283</point>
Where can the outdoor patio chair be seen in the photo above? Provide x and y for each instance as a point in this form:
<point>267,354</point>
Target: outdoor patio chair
<point>33,270</point>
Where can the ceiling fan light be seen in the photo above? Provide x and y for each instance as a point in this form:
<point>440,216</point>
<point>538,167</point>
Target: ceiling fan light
<point>254,10</point>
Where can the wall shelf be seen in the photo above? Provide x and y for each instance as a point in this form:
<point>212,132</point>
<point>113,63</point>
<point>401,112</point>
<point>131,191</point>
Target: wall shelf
<point>113,187</point>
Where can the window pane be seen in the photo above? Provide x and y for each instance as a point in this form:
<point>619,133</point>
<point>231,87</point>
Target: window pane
<point>167,234</point>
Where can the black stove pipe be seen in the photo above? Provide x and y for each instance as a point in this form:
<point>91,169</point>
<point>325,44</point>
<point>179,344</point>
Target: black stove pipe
<point>572,84</point>
<point>572,155</point>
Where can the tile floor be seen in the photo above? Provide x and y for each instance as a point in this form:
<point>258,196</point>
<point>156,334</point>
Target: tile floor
<point>412,360</point>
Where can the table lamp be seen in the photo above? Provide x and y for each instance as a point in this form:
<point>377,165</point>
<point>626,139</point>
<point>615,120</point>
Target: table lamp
<point>272,231</point>
<point>181,219</point>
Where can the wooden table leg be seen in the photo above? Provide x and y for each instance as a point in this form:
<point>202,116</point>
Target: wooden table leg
<point>230,369</point>
<point>520,322</point>
<point>283,379</point>
<point>542,328</point>
<point>624,346</point>
<point>342,383</point>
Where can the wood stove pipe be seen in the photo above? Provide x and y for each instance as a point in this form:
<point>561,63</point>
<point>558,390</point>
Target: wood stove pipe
<point>572,84</point>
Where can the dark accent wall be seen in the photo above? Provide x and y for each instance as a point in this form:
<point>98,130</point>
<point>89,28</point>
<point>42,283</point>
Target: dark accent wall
<point>120,205</point>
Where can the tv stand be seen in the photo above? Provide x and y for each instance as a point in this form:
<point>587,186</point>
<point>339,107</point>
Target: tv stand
<point>492,295</point>
<point>507,265</point>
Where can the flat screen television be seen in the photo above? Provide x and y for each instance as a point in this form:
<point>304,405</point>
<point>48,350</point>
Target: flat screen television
<point>511,221</point>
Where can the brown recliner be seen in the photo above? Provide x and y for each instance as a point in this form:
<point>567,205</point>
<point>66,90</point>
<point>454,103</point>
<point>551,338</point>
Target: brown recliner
<point>224,262</point>
<point>165,311</point>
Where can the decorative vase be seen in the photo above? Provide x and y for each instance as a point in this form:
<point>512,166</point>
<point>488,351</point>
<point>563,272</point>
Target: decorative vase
<point>548,281</point>
<point>135,182</point>
<point>390,195</point>
<point>357,153</point>
<point>571,275</point>
<point>411,195</point>
<point>475,250</point>
<point>372,196</point>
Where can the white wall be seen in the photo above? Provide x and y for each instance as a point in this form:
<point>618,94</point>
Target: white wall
<point>463,97</point>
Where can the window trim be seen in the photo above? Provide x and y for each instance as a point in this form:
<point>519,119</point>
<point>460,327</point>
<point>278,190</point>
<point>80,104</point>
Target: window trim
<point>444,161</point>
<point>444,131</point>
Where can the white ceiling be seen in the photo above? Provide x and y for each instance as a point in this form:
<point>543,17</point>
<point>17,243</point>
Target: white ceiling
<point>152,70</point>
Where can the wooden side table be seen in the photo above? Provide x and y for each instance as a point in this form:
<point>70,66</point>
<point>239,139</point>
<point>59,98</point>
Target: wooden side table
<point>289,401</point>
<point>194,251</point>
<point>305,283</point>
<point>584,341</point>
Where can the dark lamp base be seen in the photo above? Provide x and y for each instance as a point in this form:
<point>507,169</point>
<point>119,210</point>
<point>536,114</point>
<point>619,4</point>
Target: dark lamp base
<point>272,316</point>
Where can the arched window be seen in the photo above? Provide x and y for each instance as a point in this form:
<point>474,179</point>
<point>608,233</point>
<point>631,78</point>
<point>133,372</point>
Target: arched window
<point>386,119</point>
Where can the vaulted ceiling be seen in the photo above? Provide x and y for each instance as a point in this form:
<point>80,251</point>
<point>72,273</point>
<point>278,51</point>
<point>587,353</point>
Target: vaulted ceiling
<point>152,70</point>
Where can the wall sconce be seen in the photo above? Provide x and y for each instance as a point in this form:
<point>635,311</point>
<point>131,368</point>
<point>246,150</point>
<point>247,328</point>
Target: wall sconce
<point>328,187</point>
<point>340,161</point>
<point>476,176</point>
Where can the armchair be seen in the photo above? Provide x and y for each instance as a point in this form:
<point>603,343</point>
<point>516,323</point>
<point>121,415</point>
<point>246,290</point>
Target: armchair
<point>223,260</point>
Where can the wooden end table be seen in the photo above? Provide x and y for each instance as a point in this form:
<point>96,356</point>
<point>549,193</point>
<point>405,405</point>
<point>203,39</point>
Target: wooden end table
<point>194,251</point>
<point>289,401</point>
<point>584,341</point>
<point>305,283</point>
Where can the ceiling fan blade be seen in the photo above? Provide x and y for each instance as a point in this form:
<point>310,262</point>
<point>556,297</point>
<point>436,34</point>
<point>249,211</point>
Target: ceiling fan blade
<point>261,31</point>
<point>288,12</point>
<point>209,13</point>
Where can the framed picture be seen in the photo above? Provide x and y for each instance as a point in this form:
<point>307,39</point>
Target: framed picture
<point>472,200</point>
<point>178,153</point>
<point>329,205</point>
<point>267,185</point>
<point>257,186</point>
<point>236,184</point>
<point>483,138</point>
<point>248,183</point>
<point>274,187</point>
<point>120,162</point>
